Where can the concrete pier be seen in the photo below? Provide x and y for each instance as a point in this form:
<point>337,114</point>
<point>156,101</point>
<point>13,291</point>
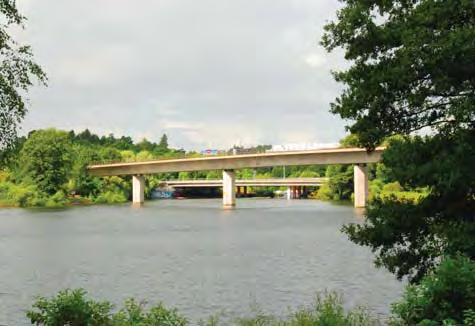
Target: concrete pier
<point>138,189</point>
<point>361,185</point>
<point>229,189</point>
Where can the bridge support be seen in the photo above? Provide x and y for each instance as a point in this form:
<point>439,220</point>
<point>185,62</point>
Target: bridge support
<point>361,185</point>
<point>138,190</point>
<point>229,189</point>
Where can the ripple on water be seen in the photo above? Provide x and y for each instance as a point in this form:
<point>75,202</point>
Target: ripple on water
<point>190,254</point>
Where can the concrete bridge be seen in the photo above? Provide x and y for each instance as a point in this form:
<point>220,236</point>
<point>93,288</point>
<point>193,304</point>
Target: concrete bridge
<point>287,182</point>
<point>358,156</point>
<point>296,187</point>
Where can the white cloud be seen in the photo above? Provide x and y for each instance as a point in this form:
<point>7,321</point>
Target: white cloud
<point>209,72</point>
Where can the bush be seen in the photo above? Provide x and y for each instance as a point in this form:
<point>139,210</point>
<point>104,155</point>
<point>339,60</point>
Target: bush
<point>326,311</point>
<point>73,308</point>
<point>110,197</point>
<point>446,296</point>
<point>57,200</point>
<point>20,195</point>
<point>135,314</point>
<point>70,307</point>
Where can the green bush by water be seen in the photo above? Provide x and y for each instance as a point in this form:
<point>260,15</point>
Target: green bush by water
<point>74,308</point>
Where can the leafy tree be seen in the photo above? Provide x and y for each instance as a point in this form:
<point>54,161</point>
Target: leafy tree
<point>413,69</point>
<point>412,66</point>
<point>339,185</point>
<point>145,145</point>
<point>45,159</point>
<point>444,297</point>
<point>17,74</point>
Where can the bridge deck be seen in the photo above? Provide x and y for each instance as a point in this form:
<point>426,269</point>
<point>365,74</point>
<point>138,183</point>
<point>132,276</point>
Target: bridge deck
<point>313,157</point>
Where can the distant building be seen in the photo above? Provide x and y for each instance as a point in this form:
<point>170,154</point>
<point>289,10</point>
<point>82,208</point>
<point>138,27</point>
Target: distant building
<point>302,147</point>
<point>210,152</point>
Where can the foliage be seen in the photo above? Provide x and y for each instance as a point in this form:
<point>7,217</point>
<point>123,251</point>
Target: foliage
<point>70,307</point>
<point>409,236</point>
<point>17,74</point>
<point>135,314</point>
<point>114,190</point>
<point>412,69</point>
<point>73,308</point>
<point>412,66</point>
<point>442,297</point>
<point>327,310</point>
<point>163,144</point>
<point>45,160</point>
<point>339,185</point>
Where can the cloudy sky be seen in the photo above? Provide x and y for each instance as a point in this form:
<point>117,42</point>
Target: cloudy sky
<point>209,73</point>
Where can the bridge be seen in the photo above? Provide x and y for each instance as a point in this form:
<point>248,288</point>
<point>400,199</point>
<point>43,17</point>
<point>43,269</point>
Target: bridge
<point>287,182</point>
<point>295,186</point>
<point>228,164</point>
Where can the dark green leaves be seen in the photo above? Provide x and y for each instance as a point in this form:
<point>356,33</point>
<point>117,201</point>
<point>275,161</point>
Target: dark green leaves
<point>18,71</point>
<point>414,66</point>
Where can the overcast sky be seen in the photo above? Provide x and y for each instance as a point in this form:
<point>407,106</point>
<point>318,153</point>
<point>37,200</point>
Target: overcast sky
<point>209,73</point>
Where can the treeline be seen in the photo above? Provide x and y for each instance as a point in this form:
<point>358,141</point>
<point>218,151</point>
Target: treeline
<point>48,168</point>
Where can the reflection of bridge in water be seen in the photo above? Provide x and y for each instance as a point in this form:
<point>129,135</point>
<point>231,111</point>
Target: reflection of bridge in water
<point>295,186</point>
<point>228,164</point>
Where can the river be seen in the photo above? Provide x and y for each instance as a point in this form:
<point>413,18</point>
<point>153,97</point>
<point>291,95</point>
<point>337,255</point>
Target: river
<point>190,254</point>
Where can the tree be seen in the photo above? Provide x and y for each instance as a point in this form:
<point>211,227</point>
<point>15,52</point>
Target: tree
<point>413,69</point>
<point>163,144</point>
<point>45,160</point>
<point>444,297</point>
<point>413,66</point>
<point>17,74</point>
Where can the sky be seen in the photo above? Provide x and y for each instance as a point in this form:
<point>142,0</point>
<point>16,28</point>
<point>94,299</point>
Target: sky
<point>208,73</point>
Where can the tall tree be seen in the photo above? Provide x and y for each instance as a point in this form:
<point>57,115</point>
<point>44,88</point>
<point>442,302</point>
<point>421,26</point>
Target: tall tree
<point>163,144</point>
<point>17,74</point>
<point>413,68</point>
<point>45,159</point>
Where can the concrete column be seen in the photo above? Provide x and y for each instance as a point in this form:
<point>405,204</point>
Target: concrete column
<point>289,193</point>
<point>361,185</point>
<point>138,189</point>
<point>229,189</point>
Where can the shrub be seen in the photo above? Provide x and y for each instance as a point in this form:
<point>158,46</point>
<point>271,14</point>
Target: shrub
<point>443,297</point>
<point>57,200</point>
<point>326,311</point>
<point>134,313</point>
<point>110,197</point>
<point>73,308</point>
<point>70,307</point>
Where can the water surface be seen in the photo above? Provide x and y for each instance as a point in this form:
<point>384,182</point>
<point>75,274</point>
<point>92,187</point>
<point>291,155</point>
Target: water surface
<point>190,254</point>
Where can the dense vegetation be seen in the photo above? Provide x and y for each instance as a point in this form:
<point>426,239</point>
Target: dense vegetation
<point>412,69</point>
<point>72,307</point>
